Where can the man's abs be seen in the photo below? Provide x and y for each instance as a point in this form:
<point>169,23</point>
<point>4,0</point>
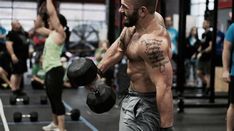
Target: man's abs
<point>139,79</point>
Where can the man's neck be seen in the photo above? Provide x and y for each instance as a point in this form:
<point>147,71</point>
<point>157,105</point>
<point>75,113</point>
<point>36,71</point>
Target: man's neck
<point>143,25</point>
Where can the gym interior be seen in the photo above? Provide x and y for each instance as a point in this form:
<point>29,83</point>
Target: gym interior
<point>199,104</point>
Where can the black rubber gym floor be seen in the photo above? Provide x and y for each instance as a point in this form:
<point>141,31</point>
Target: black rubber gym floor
<point>193,119</point>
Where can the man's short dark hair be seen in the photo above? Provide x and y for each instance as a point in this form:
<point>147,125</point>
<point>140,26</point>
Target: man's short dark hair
<point>149,4</point>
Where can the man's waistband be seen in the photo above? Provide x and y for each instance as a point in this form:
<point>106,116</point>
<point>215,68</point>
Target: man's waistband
<point>140,94</point>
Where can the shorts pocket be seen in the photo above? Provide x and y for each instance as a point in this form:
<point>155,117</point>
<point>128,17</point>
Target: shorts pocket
<point>130,107</point>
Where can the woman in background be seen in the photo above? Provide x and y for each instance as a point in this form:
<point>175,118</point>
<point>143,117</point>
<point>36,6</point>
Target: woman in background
<point>51,62</point>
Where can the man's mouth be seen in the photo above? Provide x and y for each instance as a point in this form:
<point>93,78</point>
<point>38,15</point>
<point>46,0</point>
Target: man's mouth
<point>125,17</point>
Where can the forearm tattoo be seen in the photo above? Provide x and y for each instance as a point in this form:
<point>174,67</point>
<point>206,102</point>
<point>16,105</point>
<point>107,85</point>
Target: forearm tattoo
<point>155,53</point>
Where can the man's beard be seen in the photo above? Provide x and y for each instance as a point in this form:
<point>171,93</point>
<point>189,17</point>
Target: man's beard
<point>131,20</point>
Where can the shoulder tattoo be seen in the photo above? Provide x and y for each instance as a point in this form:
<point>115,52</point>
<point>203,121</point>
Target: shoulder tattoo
<point>155,53</point>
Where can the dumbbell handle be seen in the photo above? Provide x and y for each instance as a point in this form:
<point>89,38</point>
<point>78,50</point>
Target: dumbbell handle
<point>93,86</point>
<point>26,115</point>
<point>19,99</point>
<point>68,113</point>
<point>100,73</point>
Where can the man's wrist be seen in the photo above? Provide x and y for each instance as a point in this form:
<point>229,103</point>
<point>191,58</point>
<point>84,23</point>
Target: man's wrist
<point>100,73</point>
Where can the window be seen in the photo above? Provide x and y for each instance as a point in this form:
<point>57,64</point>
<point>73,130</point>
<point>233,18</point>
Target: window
<point>77,13</point>
<point>91,14</point>
<point>25,12</point>
<point>198,8</point>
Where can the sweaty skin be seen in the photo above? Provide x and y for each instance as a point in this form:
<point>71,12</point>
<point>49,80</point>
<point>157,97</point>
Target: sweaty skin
<point>149,63</point>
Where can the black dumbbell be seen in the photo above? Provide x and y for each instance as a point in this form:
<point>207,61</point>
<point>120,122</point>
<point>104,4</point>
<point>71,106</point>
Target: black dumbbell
<point>43,100</point>
<point>14,99</point>
<point>83,72</point>
<point>17,116</point>
<point>74,114</point>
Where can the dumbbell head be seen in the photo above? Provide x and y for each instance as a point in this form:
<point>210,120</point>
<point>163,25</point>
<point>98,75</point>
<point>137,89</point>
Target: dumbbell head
<point>13,99</point>
<point>33,116</point>
<point>102,99</point>
<point>43,100</point>
<point>82,72</point>
<point>75,114</point>
<point>25,100</point>
<point>17,116</point>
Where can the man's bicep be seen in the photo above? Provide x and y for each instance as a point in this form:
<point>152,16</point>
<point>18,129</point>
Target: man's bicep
<point>117,49</point>
<point>163,73</point>
<point>9,43</point>
<point>111,57</point>
<point>9,46</point>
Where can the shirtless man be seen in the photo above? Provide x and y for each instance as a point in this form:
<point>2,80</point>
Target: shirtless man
<point>146,43</point>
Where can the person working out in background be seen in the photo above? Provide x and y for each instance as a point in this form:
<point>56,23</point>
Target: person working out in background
<point>192,44</point>
<point>3,73</point>
<point>204,56</point>
<point>173,33</point>
<point>17,47</point>
<point>51,62</point>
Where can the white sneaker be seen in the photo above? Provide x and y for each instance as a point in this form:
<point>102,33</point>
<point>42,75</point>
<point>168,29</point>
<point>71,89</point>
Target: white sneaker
<point>50,127</point>
<point>57,129</point>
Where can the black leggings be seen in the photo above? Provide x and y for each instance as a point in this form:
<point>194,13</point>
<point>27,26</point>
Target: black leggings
<point>54,86</point>
<point>37,85</point>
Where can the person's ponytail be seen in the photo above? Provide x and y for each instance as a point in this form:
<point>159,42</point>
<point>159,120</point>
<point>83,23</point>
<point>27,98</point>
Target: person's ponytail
<point>68,33</point>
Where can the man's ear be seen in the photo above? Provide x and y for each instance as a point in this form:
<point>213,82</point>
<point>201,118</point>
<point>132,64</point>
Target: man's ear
<point>142,11</point>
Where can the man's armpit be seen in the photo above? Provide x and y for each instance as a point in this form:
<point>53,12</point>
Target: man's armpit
<point>155,53</point>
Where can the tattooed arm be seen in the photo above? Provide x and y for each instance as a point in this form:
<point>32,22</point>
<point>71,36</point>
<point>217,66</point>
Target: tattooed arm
<point>159,68</point>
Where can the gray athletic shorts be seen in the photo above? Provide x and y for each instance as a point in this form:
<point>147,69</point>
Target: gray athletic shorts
<point>139,112</point>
